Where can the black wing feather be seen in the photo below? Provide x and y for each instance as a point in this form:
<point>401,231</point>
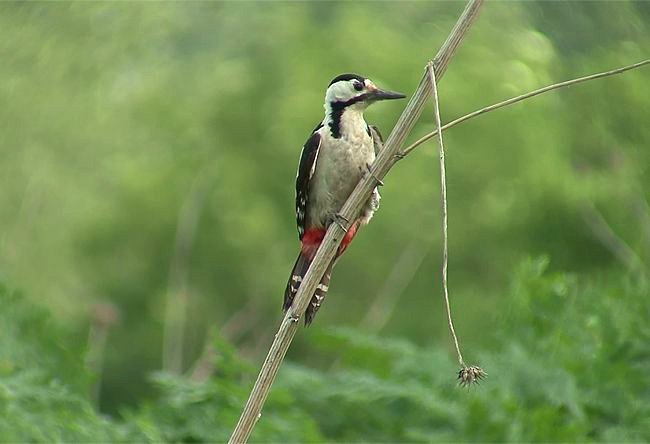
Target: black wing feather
<point>377,138</point>
<point>308,158</point>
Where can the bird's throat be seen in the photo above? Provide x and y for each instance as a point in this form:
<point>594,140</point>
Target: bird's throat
<point>345,121</point>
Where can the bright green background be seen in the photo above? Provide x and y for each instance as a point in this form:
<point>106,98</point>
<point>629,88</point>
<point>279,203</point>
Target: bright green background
<point>121,122</point>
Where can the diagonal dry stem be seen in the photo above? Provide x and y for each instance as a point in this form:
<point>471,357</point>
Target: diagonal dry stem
<point>384,161</point>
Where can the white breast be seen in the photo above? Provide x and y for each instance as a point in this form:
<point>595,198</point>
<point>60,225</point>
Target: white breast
<point>340,165</point>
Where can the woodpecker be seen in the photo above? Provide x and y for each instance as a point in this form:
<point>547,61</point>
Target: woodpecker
<point>336,156</point>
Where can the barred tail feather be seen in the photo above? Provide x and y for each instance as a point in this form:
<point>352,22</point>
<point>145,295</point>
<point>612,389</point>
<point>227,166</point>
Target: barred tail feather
<point>310,242</point>
<point>319,294</point>
<point>295,278</point>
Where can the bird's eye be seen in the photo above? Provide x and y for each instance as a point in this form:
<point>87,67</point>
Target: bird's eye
<point>358,86</point>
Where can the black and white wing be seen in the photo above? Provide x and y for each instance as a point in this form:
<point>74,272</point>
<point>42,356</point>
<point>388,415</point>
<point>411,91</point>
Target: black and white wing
<point>306,168</point>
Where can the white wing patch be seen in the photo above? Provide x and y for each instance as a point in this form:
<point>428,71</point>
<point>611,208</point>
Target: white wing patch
<point>313,165</point>
<point>306,169</point>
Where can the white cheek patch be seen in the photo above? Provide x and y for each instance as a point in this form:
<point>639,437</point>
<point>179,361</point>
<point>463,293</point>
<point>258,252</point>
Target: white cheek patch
<point>342,90</point>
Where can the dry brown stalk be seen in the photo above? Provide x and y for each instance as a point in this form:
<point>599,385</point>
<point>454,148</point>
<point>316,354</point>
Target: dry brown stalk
<point>384,161</point>
<point>443,199</point>
<point>467,375</point>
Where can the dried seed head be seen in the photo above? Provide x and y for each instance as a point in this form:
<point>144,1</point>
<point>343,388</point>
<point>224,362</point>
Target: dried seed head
<point>470,375</point>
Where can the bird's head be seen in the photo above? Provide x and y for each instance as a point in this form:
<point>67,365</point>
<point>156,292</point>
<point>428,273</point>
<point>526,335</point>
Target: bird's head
<point>352,90</point>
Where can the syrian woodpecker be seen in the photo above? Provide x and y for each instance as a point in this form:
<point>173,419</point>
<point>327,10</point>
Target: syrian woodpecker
<point>336,156</point>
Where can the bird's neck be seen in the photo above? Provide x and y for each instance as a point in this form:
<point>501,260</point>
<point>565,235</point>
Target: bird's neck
<point>344,121</point>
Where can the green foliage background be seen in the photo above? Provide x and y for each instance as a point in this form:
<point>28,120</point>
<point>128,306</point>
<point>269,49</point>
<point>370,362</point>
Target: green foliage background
<point>120,119</point>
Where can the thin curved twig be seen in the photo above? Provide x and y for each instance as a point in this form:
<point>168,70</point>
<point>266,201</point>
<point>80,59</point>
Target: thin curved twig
<point>519,98</point>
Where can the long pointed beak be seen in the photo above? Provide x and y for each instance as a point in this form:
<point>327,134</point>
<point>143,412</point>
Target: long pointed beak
<point>380,94</point>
